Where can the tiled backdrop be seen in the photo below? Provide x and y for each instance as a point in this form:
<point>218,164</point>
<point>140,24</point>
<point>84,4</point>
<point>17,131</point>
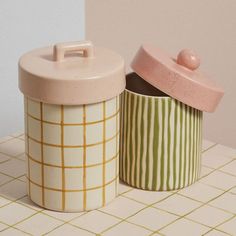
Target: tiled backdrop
<point>205,208</point>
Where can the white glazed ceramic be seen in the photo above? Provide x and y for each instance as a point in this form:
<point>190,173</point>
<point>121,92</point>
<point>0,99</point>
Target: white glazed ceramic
<point>72,154</point>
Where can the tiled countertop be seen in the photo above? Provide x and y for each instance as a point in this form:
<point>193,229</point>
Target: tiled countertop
<point>205,208</point>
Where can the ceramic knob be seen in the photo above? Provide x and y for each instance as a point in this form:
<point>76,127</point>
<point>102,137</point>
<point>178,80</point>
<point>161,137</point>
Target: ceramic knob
<point>189,59</point>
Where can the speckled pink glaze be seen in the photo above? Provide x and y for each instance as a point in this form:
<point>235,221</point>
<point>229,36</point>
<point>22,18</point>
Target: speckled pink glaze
<point>178,78</point>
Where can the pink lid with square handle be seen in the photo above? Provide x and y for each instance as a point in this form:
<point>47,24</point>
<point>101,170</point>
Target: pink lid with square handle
<point>71,73</point>
<point>179,78</point>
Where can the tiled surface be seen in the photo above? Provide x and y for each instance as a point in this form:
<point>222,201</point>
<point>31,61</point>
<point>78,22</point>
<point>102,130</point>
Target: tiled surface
<point>207,207</point>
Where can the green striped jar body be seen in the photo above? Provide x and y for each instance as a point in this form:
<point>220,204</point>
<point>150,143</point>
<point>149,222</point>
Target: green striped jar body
<point>160,147</point>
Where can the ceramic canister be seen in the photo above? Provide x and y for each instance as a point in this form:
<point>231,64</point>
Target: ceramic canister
<point>71,94</point>
<point>161,121</point>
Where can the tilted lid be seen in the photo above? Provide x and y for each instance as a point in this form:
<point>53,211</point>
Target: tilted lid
<point>71,74</point>
<point>178,78</point>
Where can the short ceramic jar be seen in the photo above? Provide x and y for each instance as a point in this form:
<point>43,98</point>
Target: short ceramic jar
<point>71,95</point>
<point>161,121</point>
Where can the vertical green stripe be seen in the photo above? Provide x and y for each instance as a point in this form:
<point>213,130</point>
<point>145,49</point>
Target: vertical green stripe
<point>169,102</point>
<point>131,136</point>
<point>180,144</point>
<point>155,146</point>
<point>137,128</point>
<point>163,145</point>
<point>175,141</point>
<point>142,142</point>
<point>190,146</point>
<point>185,143</point>
<point>126,135</point>
<point>149,110</point>
<point>121,136</point>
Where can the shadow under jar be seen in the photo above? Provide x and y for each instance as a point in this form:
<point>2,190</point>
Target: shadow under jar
<point>161,138</point>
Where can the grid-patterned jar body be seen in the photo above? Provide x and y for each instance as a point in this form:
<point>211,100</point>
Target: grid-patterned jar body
<point>72,154</point>
<point>160,147</point>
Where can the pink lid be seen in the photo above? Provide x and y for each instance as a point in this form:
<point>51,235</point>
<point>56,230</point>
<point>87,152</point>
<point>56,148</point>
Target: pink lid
<point>71,74</point>
<point>178,78</point>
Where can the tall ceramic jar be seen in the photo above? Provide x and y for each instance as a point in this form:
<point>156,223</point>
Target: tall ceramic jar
<point>161,122</point>
<point>71,94</point>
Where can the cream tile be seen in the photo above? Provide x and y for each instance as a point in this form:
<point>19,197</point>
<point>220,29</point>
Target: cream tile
<point>207,144</point>
<point>110,107</point>
<point>229,227</point>
<point>4,178</point>
<point>22,137</point>
<point>153,219</point>
<point>125,228</point>
<point>17,134</point>
<point>214,161</point>
<point>4,139</point>
<point>94,197</point>
<point>34,108</point>
<point>52,134</point>
<point>13,147</point>
<point>12,231</point>
<point>34,130</point>
<point>208,215</point>
<point>147,197</point>
<point>233,190</point>
<point>103,221</point>
<point>216,233</point>
<point>200,192</point>
<point>22,157</point>
<point>110,127</point>
<point>74,200</point>
<point>178,205</point>
<point>73,156</point>
<point>3,157</point>
<point>52,177</point>
<point>52,113</point>
<point>27,202</point>
<point>22,178</point>
<point>70,231</point>
<point>205,171</point>
<point>73,114</point>
<point>94,133</point>
<point>3,201</point>
<point>14,212</point>
<point>184,227</point>
<point>128,208</point>
<point>219,180</point>
<point>39,224</point>
<point>63,216</point>
<point>13,167</point>
<point>223,151</point>
<point>94,154</point>
<point>94,112</point>
<point>123,187</point>
<point>74,178</point>
<point>230,168</point>
<point>13,190</point>
<point>73,135</point>
<point>52,155</point>
<point>227,202</point>
<point>3,226</point>
<point>94,176</point>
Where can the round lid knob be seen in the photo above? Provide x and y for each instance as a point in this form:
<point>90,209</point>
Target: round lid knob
<point>189,59</point>
<point>178,77</point>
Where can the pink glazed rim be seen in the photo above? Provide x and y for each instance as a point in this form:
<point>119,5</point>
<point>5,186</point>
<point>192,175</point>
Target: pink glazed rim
<point>178,78</point>
<point>72,73</point>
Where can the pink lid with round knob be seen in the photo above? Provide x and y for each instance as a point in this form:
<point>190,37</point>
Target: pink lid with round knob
<point>179,78</point>
<point>71,73</point>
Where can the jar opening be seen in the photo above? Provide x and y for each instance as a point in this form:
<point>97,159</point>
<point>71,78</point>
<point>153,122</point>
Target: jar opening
<point>138,85</point>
